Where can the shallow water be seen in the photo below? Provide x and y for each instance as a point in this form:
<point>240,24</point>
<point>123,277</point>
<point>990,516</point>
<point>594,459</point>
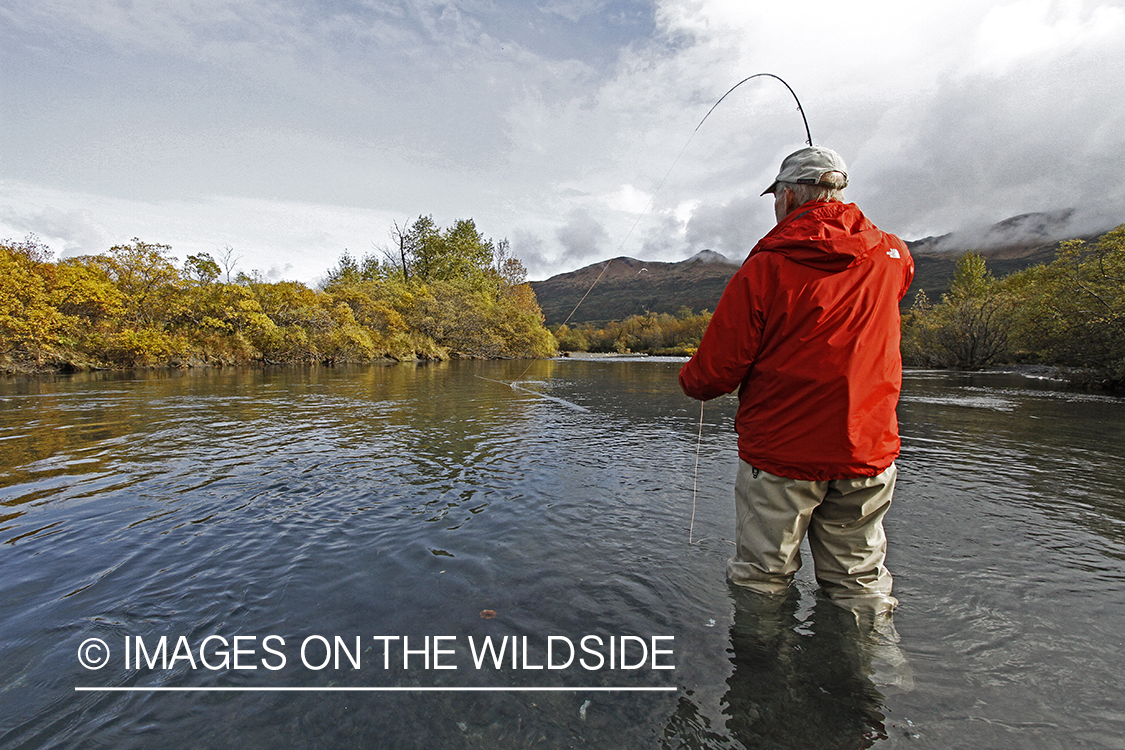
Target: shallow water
<point>410,500</point>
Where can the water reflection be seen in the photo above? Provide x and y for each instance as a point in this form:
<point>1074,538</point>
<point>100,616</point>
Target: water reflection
<point>805,673</point>
<point>798,683</point>
<point>406,499</point>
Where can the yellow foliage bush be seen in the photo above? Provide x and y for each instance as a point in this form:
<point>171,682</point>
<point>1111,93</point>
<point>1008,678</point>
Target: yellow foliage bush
<point>133,307</point>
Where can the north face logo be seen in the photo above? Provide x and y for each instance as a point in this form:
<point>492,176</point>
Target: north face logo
<point>893,252</point>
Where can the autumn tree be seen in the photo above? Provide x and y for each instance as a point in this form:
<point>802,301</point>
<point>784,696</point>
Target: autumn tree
<point>146,277</point>
<point>970,327</point>
<point>459,253</point>
<point>202,268</point>
<point>133,306</point>
<point>1072,311</point>
<point>28,320</point>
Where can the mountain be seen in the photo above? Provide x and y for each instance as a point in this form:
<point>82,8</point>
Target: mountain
<point>628,286</point>
<point>633,287</point>
<point>1007,246</point>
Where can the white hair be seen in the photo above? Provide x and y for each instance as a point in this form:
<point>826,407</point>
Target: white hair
<point>830,188</point>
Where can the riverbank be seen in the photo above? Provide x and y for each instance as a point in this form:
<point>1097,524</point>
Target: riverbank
<point>1085,379</point>
<point>134,308</point>
<point>64,365</point>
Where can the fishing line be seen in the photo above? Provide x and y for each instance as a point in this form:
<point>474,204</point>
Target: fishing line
<point>648,205</point>
<point>621,245</point>
<point>695,479</point>
<point>556,399</point>
<point>808,140</point>
<point>636,221</point>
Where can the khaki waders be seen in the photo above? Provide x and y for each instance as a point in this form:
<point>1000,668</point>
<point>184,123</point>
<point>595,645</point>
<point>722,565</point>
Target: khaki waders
<point>844,522</point>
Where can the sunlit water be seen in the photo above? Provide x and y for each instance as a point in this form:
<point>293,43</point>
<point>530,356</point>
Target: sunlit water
<point>416,501</point>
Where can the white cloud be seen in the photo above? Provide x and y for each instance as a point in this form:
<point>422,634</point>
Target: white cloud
<point>1027,31</point>
<point>283,239</point>
<point>293,130</point>
<point>629,199</point>
<point>67,232</point>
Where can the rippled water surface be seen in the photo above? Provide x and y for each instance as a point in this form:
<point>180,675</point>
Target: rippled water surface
<point>423,501</point>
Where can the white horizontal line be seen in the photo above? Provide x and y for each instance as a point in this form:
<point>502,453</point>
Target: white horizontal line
<point>371,689</point>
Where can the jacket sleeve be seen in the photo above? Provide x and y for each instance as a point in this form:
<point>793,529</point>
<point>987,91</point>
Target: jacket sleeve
<point>908,277</point>
<point>908,270</point>
<point>731,340</point>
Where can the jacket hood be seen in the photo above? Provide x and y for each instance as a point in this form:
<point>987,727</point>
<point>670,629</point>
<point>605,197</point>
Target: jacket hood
<point>830,236</point>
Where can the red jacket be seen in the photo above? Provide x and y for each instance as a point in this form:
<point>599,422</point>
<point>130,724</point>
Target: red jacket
<point>808,332</point>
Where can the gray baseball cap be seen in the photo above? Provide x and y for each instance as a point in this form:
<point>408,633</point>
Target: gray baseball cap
<point>808,165</point>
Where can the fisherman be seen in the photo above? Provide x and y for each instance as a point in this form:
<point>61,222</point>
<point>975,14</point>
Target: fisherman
<point>808,332</point>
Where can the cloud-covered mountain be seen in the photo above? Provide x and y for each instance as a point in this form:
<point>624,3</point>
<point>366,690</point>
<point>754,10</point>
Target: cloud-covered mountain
<point>627,286</point>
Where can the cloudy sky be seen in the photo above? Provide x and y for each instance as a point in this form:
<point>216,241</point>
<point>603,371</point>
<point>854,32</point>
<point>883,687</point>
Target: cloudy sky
<point>291,130</point>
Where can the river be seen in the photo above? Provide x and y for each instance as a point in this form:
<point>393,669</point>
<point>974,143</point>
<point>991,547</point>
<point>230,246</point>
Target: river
<point>317,558</point>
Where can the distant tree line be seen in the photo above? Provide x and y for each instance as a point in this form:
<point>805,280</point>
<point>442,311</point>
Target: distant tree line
<point>1069,313</point>
<point>443,293</point>
<point>453,293</point>
<point>651,333</point>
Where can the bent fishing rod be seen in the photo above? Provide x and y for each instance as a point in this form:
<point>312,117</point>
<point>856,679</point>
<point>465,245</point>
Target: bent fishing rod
<point>659,187</point>
<point>648,205</point>
<point>808,134</point>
